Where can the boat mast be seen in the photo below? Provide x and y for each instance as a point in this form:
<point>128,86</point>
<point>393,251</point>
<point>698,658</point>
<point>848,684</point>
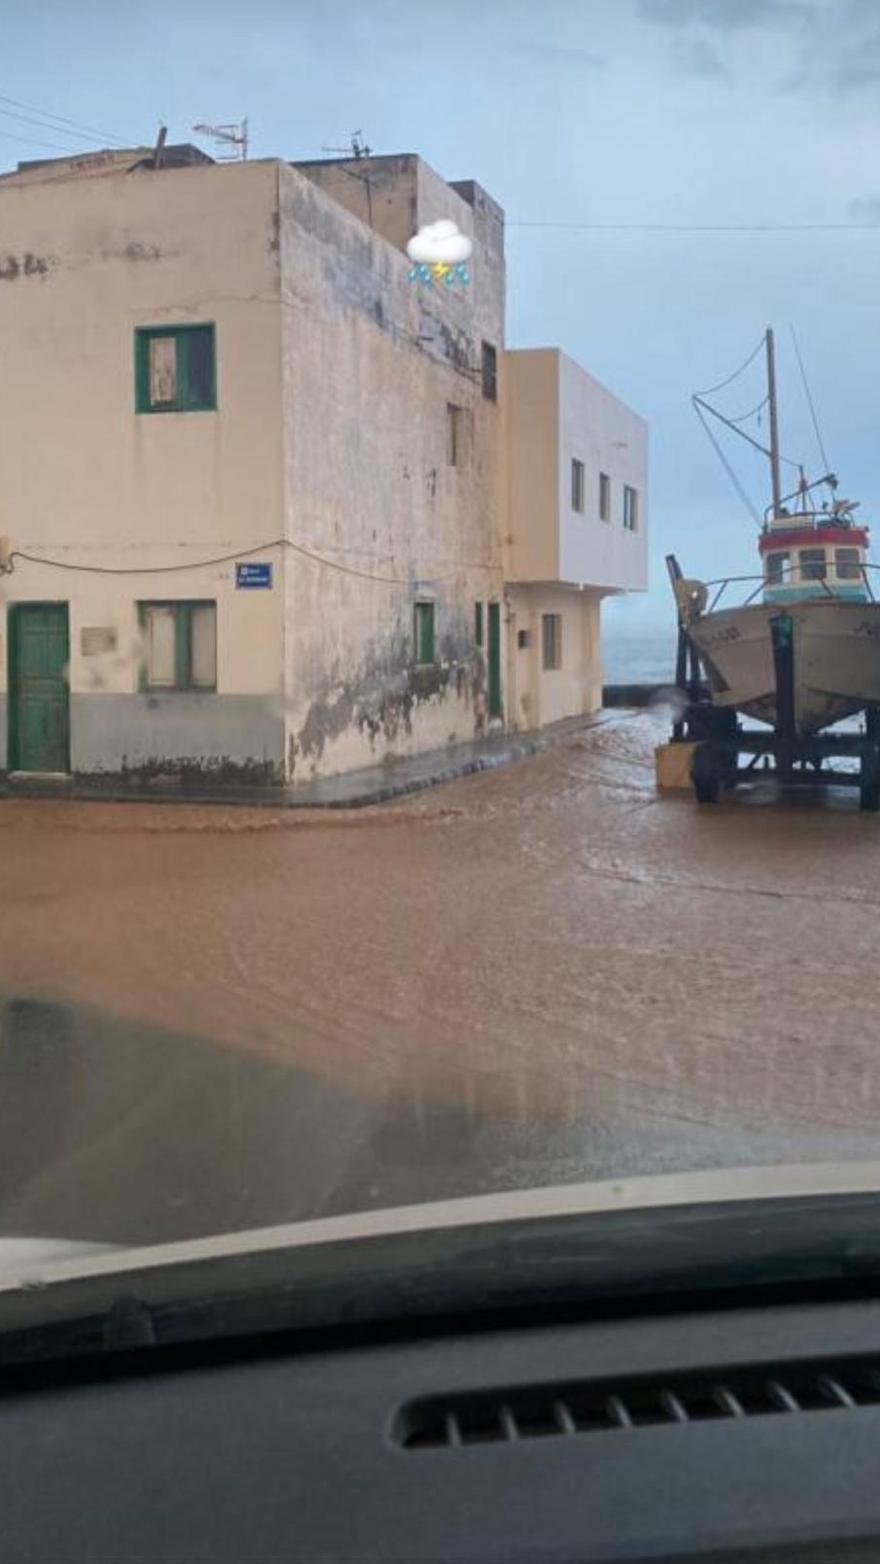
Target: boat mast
<point>774,427</point>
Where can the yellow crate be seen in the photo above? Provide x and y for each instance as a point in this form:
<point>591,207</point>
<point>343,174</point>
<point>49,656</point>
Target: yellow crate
<point>672,766</point>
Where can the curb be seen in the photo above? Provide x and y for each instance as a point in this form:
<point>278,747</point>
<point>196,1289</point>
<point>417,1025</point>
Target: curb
<point>269,798</point>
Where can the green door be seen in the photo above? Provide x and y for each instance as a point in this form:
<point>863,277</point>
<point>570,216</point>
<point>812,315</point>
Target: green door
<point>39,648</point>
<point>494,659</point>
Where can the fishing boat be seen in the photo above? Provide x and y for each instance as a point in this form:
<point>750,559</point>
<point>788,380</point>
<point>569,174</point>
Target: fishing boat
<point>802,651</point>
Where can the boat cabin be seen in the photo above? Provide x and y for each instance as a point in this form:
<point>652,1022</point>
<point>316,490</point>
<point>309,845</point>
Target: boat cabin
<point>814,554</point>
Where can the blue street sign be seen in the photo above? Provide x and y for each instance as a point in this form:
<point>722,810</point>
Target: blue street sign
<point>256,574</point>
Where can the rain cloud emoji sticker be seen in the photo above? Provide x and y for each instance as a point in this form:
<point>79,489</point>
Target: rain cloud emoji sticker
<point>439,253</point>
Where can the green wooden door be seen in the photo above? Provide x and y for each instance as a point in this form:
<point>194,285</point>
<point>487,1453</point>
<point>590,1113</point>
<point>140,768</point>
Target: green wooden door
<point>39,733</point>
<point>494,659</point>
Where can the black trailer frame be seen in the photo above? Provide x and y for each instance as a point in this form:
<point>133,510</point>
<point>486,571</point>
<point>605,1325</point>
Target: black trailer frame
<point>796,760</point>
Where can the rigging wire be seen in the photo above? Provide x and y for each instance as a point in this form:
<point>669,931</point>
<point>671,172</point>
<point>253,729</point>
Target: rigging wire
<point>698,401</point>
<point>726,465</point>
<point>806,384</point>
<point>744,417</point>
<point>736,373</point>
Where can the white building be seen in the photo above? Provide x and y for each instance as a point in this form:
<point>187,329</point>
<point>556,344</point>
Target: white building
<point>270,508</point>
<point>577,493</point>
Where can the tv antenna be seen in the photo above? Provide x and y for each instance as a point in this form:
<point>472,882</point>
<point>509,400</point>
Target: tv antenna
<point>234,136</point>
<point>357,147</point>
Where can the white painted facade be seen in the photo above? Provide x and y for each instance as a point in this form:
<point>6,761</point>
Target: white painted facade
<point>560,561</point>
<point>325,455</point>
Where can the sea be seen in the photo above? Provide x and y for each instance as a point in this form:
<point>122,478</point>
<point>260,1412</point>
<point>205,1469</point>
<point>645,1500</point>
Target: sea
<point>638,656</point>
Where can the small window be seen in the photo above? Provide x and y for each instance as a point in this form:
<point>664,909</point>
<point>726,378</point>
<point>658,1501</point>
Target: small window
<point>175,369</point>
<point>847,564</point>
<point>478,624</point>
<point>454,450</point>
<point>604,497</point>
<point>630,508</point>
<point>424,632</point>
<point>551,641</point>
<point>813,567</point>
<point>490,372</point>
<point>577,484</point>
<point>180,646</point>
<point>777,568</point>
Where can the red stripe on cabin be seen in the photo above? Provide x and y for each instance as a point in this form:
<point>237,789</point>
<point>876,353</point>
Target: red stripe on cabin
<point>803,537</point>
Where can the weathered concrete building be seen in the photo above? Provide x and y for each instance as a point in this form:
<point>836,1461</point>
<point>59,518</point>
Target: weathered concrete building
<point>267,506</point>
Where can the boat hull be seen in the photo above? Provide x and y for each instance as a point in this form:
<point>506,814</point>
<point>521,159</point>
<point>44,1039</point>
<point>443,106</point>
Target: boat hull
<point>836,647</point>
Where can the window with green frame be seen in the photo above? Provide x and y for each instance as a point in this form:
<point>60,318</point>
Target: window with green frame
<point>179,645</point>
<point>175,369</point>
<point>424,632</point>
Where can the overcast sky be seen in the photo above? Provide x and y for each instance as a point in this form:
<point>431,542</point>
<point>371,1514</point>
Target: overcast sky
<point>567,111</point>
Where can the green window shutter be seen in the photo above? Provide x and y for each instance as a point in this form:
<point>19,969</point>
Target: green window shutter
<point>194,645</point>
<point>181,646</point>
<point>197,357</point>
<point>196,367</point>
<point>141,372</point>
<point>478,624</point>
<point>424,632</point>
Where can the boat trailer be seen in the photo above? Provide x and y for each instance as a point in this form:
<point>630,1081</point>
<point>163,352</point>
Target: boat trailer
<point>726,752</point>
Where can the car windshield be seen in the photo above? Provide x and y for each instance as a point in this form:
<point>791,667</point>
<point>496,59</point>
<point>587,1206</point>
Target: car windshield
<point>392,807</point>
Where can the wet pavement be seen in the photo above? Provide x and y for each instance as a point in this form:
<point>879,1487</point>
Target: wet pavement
<point>216,1017</point>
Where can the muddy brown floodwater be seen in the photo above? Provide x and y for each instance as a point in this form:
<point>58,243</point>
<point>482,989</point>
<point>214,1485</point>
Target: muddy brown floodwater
<point>219,1017</point>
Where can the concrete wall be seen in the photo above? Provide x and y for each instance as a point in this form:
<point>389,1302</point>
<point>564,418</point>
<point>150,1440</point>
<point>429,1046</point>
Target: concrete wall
<point>376,517</point>
<point>557,411</point>
<point>532,449</point>
<point>381,191</point>
<point>607,436</point>
<point>574,689</point>
<point>86,481</point>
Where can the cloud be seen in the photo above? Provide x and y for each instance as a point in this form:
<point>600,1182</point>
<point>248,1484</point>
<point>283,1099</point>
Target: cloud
<point>827,46</point>
<point>841,56</point>
<point>440,241</point>
<point>723,15</point>
<point>865,209</point>
<point>696,57</point>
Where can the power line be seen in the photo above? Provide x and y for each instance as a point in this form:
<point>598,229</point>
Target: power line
<point>57,130</point>
<point>46,114</point>
<point>700,228</point>
<point>31,141</point>
<point>242,553</point>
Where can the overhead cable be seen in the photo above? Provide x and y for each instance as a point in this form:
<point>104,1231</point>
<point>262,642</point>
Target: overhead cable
<point>62,120</point>
<point>700,228</point>
<point>242,553</point>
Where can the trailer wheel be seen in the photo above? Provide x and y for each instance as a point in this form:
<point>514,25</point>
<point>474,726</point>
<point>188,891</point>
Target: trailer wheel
<point>869,785</point>
<point>705,775</point>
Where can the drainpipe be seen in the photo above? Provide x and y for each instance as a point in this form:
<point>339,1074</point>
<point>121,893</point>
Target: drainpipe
<point>510,694</point>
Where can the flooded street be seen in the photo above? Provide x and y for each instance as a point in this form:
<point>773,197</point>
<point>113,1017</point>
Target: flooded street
<point>218,1018</point>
